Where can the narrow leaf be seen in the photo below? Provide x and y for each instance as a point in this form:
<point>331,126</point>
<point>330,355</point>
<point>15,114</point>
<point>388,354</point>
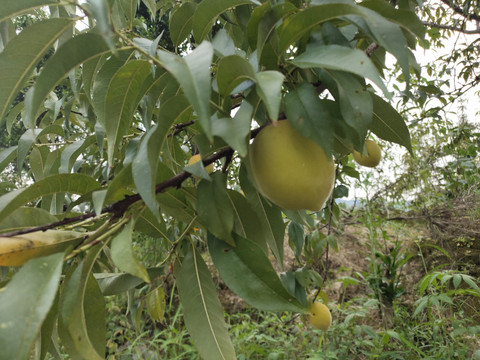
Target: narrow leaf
<point>123,256</point>
<point>247,271</point>
<point>181,22</point>
<point>81,323</point>
<point>21,54</point>
<point>201,308</point>
<point>71,54</point>
<point>388,124</point>
<point>336,57</point>
<point>308,115</point>
<point>208,11</point>
<point>234,131</point>
<point>269,88</point>
<point>24,305</point>
<point>214,209</point>
<point>121,100</point>
<point>71,183</point>
<point>193,74</point>
<point>15,8</point>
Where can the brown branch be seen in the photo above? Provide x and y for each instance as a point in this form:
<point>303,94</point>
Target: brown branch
<point>453,28</point>
<point>459,10</point>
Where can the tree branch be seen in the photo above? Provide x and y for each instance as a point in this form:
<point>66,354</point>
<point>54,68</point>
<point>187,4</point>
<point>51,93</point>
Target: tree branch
<point>453,28</point>
<point>459,10</point>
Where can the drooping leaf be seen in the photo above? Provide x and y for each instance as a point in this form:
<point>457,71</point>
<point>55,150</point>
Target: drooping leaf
<point>21,54</point>
<point>28,296</point>
<point>309,117</point>
<point>26,217</point>
<point>247,271</point>
<point>72,53</point>
<point>181,22</point>
<point>145,163</point>
<point>17,250</point>
<point>247,223</point>
<point>269,215</point>
<point>269,88</point>
<point>71,183</point>
<point>102,82</point>
<point>81,322</point>
<point>193,74</point>
<point>15,8</point>
<point>354,100</point>
<point>235,130</point>
<point>201,308</point>
<point>232,71</point>
<point>214,209</point>
<point>208,11</point>
<point>100,12</point>
<point>387,34</point>
<point>156,303</point>
<point>123,256</point>
<point>6,156</point>
<point>388,124</point>
<point>72,151</point>
<point>117,283</point>
<point>336,57</point>
<point>121,99</point>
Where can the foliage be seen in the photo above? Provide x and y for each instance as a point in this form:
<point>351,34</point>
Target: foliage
<point>110,107</point>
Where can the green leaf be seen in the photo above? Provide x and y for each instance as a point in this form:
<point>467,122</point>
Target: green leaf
<point>269,88</point>
<point>214,209</point>
<point>247,271</point>
<point>123,256</point>
<point>117,283</point>
<point>21,54</point>
<point>247,223</point>
<point>102,82</point>
<point>71,152</point>
<point>72,53</point>
<point>336,57</point>
<point>100,12</point>
<point>181,22</point>
<point>308,115</point>
<point>15,8</point>
<point>174,203</point>
<point>156,304</point>
<point>232,71</point>
<point>354,100</point>
<point>149,224</point>
<point>81,322</point>
<point>6,156</point>
<point>208,11</point>
<point>28,296</point>
<point>403,17</point>
<point>72,183</point>
<point>388,124</point>
<point>234,131</point>
<point>145,163</point>
<point>263,22</point>
<point>26,217</point>
<point>122,98</point>
<point>296,238</point>
<point>270,217</point>
<point>193,74</point>
<point>201,308</point>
